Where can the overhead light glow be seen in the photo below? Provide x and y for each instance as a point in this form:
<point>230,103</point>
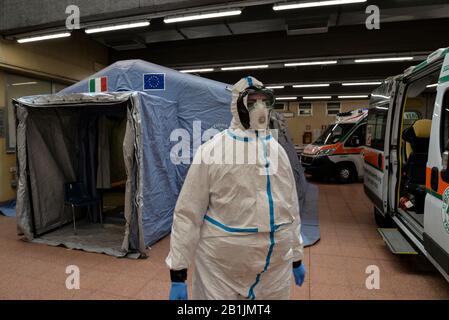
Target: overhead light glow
<point>311,4</point>
<point>432,85</point>
<point>24,83</point>
<point>286,98</point>
<point>118,27</point>
<point>380,96</point>
<point>275,87</point>
<point>310,63</point>
<point>353,97</point>
<point>317,97</point>
<point>244,67</point>
<point>197,70</point>
<point>204,15</point>
<point>374,83</point>
<point>44,37</point>
<point>313,85</point>
<point>383,60</point>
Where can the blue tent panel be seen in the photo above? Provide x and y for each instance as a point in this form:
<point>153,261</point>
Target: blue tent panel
<point>169,100</point>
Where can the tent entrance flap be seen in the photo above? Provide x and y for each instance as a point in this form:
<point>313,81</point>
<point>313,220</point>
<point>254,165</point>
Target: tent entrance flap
<point>83,145</point>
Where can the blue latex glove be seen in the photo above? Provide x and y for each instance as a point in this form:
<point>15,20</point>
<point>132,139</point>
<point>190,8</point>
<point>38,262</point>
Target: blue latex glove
<point>178,291</point>
<point>300,274</point>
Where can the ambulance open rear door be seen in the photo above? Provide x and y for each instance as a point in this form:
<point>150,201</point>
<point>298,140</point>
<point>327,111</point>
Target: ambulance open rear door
<point>436,218</point>
<point>377,147</point>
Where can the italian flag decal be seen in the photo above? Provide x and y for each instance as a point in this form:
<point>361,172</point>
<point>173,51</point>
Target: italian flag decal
<point>98,84</point>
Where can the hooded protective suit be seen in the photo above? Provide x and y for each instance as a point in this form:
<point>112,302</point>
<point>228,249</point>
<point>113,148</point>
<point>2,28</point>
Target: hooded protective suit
<point>238,217</point>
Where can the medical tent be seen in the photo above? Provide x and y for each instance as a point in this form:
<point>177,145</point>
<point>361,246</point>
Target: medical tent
<point>132,119</point>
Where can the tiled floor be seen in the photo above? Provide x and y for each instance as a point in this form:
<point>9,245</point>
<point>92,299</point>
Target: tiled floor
<point>336,265</point>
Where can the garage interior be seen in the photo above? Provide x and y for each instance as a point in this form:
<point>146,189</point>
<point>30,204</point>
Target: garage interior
<point>319,62</point>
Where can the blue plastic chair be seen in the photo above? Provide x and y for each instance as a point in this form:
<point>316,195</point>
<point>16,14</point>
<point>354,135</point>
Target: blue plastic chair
<point>76,195</point>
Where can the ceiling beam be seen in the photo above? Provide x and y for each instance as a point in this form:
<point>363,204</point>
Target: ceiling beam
<point>399,37</point>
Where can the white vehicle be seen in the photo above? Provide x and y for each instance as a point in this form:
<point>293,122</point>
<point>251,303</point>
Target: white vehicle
<point>406,160</point>
<point>338,151</point>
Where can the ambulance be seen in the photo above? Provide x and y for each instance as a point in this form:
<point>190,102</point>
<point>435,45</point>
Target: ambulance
<point>337,152</point>
<point>406,160</point>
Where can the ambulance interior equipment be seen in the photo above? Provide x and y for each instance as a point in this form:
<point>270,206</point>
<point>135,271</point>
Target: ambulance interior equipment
<point>414,144</point>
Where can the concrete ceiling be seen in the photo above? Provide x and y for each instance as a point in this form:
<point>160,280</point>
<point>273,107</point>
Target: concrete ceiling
<point>258,35</point>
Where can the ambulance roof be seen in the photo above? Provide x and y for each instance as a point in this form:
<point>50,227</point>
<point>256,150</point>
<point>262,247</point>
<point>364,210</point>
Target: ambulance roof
<point>434,56</point>
<point>354,116</point>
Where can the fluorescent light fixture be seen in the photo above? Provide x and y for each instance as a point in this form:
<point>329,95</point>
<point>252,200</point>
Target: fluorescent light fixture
<point>204,15</point>
<point>313,85</point>
<point>44,37</point>
<point>286,98</point>
<point>310,63</point>
<point>275,87</point>
<point>121,26</point>
<point>383,60</point>
<point>197,70</point>
<point>432,85</point>
<point>263,66</point>
<point>24,83</point>
<point>311,4</point>
<point>374,83</point>
<point>353,97</point>
<point>380,96</point>
<point>317,97</point>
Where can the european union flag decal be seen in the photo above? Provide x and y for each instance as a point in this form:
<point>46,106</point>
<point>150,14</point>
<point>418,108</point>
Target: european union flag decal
<point>154,81</point>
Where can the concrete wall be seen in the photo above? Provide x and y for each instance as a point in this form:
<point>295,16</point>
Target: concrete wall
<point>6,160</point>
<point>298,124</point>
<point>62,60</point>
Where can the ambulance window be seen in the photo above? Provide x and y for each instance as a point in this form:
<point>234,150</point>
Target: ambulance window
<point>445,123</point>
<point>376,127</point>
<point>357,138</point>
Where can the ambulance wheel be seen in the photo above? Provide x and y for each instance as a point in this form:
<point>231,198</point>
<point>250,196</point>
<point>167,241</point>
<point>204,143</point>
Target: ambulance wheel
<point>381,220</point>
<point>346,173</point>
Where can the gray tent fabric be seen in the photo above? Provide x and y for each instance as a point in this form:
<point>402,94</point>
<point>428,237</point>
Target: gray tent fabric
<point>52,134</point>
<point>23,207</point>
<point>103,155</point>
<point>46,173</point>
<point>307,193</point>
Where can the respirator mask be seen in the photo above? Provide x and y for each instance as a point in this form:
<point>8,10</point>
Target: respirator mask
<point>254,106</point>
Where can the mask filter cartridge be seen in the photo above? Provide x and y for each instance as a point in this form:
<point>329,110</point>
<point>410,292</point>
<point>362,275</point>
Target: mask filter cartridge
<point>258,116</point>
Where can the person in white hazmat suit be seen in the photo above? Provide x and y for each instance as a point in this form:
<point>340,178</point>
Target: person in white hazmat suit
<point>238,218</point>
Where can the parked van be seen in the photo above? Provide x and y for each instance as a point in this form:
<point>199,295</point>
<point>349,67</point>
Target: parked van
<point>337,152</point>
<point>406,160</point>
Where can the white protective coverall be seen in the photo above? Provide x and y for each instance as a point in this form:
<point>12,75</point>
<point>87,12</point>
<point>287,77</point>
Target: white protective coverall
<point>239,220</point>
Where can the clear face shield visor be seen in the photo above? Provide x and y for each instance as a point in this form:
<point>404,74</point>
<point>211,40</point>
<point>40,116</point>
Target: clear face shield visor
<point>254,106</point>
<point>258,97</point>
